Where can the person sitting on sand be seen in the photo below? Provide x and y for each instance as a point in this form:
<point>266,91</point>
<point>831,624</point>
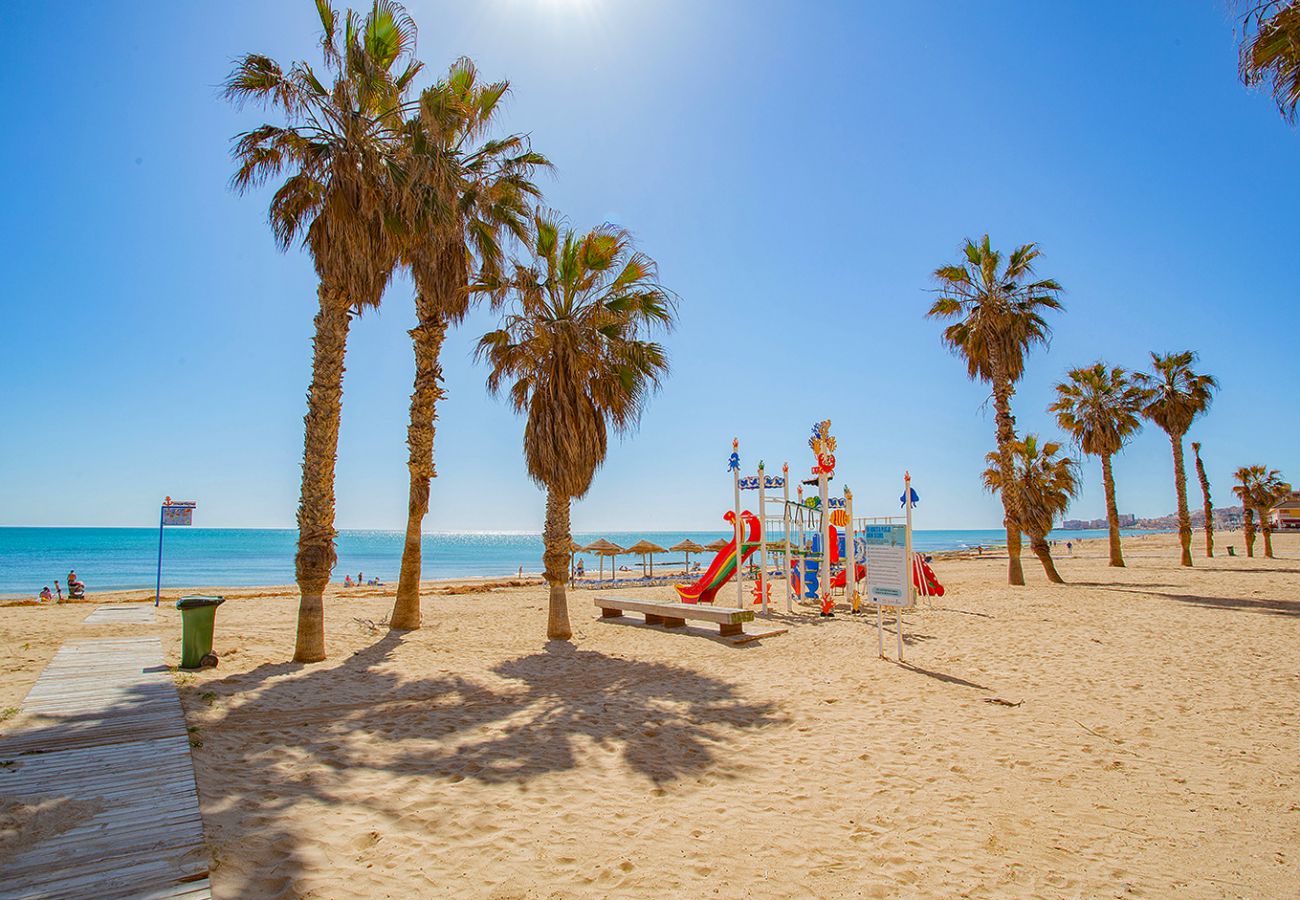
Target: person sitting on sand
<point>46,596</point>
<point>73,583</point>
<point>347,581</point>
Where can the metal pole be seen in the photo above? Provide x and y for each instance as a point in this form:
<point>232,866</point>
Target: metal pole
<point>740,530</point>
<point>789,581</point>
<point>850,558</point>
<point>157,592</point>
<point>823,488</point>
<point>804,569</point>
<point>762,535</point>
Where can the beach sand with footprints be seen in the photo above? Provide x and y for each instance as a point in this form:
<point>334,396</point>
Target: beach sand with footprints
<point>1131,732</point>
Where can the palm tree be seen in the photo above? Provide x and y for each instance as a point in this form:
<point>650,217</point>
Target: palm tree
<point>1270,51</point>
<point>1268,491</point>
<point>1247,476</point>
<point>999,316</point>
<point>1100,407</point>
<point>471,191</point>
<point>574,355</point>
<point>1205,496</point>
<point>1045,484</point>
<point>1177,396</point>
<point>337,147</point>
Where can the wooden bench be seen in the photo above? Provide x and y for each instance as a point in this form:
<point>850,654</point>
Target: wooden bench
<point>674,615</point>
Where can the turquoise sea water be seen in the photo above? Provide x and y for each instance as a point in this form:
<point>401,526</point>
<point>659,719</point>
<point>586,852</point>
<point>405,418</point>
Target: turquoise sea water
<point>124,558</point>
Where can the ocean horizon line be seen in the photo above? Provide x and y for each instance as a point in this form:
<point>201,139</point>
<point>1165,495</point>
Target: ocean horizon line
<point>126,558</point>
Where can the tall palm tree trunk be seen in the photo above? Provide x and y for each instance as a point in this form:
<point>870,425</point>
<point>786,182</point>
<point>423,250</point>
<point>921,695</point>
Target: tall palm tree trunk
<point>1266,527</point>
<point>556,538</point>
<point>1038,543</point>
<point>1205,495</point>
<point>427,338</point>
<point>1180,484</point>
<point>1248,517</point>
<point>1006,434</point>
<point>316,554</point>
<point>1112,511</point>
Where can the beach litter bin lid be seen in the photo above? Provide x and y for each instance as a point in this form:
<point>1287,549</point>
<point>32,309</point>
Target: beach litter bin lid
<point>196,601</point>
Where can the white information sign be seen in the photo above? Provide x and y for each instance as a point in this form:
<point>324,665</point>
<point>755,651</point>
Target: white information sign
<point>887,581</point>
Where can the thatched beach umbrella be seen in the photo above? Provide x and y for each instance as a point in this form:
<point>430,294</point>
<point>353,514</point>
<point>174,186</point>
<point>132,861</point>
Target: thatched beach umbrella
<point>688,547</point>
<point>603,548</point>
<point>647,548</point>
<point>717,545</point>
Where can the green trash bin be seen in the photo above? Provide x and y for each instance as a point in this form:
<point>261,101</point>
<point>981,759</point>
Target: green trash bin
<point>198,618</point>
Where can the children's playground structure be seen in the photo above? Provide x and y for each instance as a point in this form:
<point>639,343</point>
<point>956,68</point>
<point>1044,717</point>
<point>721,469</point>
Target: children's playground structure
<point>818,536</point>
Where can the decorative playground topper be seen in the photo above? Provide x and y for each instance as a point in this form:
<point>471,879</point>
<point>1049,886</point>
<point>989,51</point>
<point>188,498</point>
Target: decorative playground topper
<point>823,446</point>
<point>733,461</point>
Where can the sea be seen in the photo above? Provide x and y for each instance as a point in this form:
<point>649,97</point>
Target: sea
<point>109,559</point>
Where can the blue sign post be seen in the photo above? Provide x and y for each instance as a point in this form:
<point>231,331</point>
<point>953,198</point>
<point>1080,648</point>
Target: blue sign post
<point>173,512</point>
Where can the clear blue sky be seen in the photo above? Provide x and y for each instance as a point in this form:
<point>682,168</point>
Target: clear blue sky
<point>798,170</point>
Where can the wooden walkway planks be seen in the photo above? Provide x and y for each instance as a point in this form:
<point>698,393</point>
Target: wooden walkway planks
<point>133,614</point>
<point>97,771</point>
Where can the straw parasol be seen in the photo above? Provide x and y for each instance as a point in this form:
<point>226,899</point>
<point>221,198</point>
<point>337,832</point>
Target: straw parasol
<point>688,547</point>
<point>603,548</point>
<point>647,548</point>
<point>717,545</point>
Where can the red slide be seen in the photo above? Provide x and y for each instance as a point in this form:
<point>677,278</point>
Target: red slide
<point>839,579</point>
<point>723,566</point>
<point>927,585</point>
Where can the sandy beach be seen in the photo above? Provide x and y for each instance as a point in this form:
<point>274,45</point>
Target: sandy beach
<point>1130,733</point>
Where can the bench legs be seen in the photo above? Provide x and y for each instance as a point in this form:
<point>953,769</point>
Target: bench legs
<point>610,613</point>
<point>728,630</point>
<point>665,621</point>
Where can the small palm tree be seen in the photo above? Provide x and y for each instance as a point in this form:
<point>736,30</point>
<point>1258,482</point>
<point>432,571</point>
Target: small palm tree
<point>1177,395</point>
<point>1244,489</point>
<point>1268,491</point>
<point>1205,497</point>
<point>1270,51</point>
<point>573,354</point>
<point>1044,482</point>
<point>469,193</point>
<point>338,144</point>
<point>1100,407</point>
<point>999,316</point>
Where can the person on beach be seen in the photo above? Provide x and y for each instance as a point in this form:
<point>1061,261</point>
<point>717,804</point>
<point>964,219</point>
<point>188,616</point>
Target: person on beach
<point>347,581</point>
<point>59,590</point>
<point>581,570</point>
<point>73,583</point>
<point>360,580</point>
<point>46,596</point>
<point>1069,547</point>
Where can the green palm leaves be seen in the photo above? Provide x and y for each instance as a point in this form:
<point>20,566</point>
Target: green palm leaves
<point>574,354</point>
<point>1043,481</point>
<point>1176,395</point>
<point>998,316</point>
<point>1270,52</point>
<point>1100,407</point>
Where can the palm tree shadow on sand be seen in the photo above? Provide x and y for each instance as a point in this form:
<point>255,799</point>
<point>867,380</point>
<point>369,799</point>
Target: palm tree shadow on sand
<point>551,710</point>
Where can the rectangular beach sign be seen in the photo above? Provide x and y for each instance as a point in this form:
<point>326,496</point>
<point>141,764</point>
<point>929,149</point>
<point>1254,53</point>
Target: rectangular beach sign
<point>887,565</point>
<point>180,512</point>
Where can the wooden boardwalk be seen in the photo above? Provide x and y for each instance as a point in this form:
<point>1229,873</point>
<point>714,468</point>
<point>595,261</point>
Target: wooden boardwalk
<point>134,614</point>
<point>96,771</point>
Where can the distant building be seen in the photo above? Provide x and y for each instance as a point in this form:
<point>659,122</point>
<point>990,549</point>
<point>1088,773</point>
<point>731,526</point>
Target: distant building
<point>1287,513</point>
<point>1127,520</point>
